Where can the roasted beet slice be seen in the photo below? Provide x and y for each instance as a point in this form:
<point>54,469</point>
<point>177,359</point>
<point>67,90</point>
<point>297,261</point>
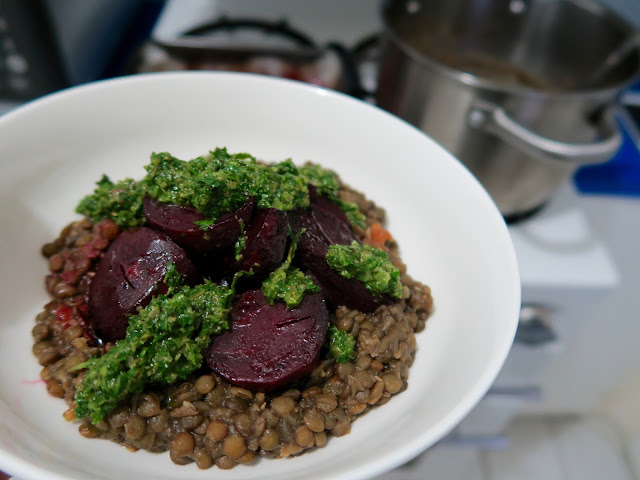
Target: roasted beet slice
<point>129,275</point>
<point>321,230</point>
<point>269,346</point>
<point>266,241</point>
<point>178,222</point>
<point>318,201</point>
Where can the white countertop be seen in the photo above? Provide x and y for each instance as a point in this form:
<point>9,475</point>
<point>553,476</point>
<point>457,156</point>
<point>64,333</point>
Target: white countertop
<point>559,248</point>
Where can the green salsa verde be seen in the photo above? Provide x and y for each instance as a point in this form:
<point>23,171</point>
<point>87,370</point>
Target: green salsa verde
<point>286,283</point>
<point>368,264</point>
<point>165,342</point>
<point>213,184</point>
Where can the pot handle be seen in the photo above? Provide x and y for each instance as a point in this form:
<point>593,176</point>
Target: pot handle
<point>494,119</point>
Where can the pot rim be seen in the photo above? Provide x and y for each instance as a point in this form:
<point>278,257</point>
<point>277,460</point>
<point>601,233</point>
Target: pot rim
<point>476,81</point>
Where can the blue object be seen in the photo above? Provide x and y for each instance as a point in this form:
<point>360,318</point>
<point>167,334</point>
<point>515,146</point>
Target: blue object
<point>618,176</point>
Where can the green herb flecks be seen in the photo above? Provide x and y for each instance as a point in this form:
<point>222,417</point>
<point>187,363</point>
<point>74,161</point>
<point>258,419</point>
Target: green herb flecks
<point>368,264</point>
<point>239,246</point>
<point>325,181</point>
<point>288,284</point>
<point>341,345</point>
<point>204,224</point>
<point>120,202</point>
<point>172,278</point>
<point>353,213</point>
<point>164,343</point>
<point>281,186</point>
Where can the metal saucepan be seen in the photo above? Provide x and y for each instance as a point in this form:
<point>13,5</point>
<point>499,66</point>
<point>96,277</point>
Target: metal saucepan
<point>498,84</point>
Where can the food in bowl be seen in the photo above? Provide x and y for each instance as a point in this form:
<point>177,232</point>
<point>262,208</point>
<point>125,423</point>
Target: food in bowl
<point>223,308</point>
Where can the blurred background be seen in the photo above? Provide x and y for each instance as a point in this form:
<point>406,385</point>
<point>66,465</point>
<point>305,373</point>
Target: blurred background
<point>567,402</point>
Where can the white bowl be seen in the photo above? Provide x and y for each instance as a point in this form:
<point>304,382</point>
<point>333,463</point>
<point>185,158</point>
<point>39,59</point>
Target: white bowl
<point>450,234</point>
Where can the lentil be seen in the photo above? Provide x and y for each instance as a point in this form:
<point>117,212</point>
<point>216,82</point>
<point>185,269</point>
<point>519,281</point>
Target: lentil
<point>135,427</point>
<point>321,439</point>
<point>234,446</point>
<point>149,406</point>
<point>205,384</point>
<point>217,430</point>
<point>185,410</point>
<point>192,422</point>
<point>147,441</point>
<point>356,409</point>
<point>88,430</point>
<point>305,437</point>
<point>182,444</point>
<point>341,428</point>
<point>243,423</point>
<point>392,383</point>
<point>283,405</point>
<point>313,420</point>
<point>64,290</point>
<point>48,355</point>
<point>224,462</point>
<point>159,423</point>
<point>119,417</point>
<point>270,440</point>
<point>55,389</point>
<point>246,458</point>
<point>69,414</point>
<point>202,458</point>
<point>56,262</point>
<point>376,392</point>
<point>40,332</point>
<point>290,449</point>
<point>326,402</point>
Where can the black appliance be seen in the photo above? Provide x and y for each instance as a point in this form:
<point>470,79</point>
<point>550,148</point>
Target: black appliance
<point>46,45</point>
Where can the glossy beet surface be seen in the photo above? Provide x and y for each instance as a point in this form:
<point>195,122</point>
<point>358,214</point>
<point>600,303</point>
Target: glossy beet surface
<point>318,201</point>
<point>129,275</point>
<point>269,346</point>
<point>266,241</point>
<point>322,228</point>
<point>178,222</point>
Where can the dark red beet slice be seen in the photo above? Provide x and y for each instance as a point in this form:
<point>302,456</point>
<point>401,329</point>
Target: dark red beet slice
<point>323,229</point>
<point>129,275</point>
<point>266,242</point>
<point>320,201</point>
<point>178,222</point>
<point>217,266</point>
<point>269,346</point>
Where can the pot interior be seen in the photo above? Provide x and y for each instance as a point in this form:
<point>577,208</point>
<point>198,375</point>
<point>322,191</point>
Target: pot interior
<point>541,44</point>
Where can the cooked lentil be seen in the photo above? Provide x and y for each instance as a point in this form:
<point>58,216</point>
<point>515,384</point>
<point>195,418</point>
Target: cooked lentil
<point>205,420</point>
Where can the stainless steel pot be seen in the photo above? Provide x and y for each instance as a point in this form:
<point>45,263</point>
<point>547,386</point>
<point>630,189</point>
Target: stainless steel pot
<point>499,83</point>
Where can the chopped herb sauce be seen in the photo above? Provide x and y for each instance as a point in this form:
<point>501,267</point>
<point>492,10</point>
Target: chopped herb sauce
<point>214,184</point>
<point>239,246</point>
<point>341,345</point>
<point>368,264</point>
<point>120,202</point>
<point>288,284</point>
<point>165,342</point>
